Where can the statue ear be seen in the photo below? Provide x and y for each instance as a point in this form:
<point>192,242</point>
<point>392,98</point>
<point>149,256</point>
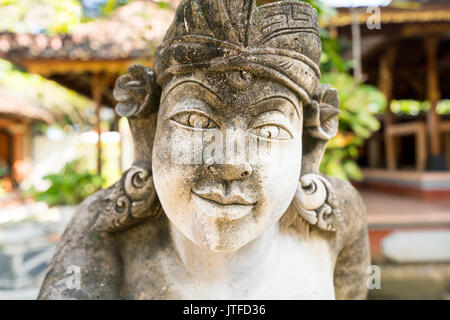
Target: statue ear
<point>137,92</point>
<point>139,97</point>
<point>320,125</point>
<point>133,198</point>
<point>321,117</point>
<point>315,200</point>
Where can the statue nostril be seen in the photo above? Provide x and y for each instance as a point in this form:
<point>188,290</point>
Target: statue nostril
<point>212,170</point>
<point>230,172</point>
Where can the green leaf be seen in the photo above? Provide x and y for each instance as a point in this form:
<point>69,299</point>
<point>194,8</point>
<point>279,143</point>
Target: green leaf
<point>352,170</point>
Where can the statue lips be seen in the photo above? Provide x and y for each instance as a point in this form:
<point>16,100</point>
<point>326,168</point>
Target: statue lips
<point>216,205</point>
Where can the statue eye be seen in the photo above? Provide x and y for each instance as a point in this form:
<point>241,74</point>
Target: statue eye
<point>194,120</point>
<point>273,132</point>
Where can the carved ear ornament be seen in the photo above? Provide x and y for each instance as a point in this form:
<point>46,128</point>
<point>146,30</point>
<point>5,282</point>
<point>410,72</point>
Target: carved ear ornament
<point>228,36</point>
<point>137,92</point>
<point>128,201</point>
<point>321,121</point>
<point>316,202</point>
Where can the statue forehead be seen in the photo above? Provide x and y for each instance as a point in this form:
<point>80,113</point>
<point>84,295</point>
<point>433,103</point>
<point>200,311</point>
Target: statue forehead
<point>233,88</point>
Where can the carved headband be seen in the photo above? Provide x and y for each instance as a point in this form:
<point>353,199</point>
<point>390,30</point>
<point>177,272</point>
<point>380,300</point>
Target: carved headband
<point>278,40</point>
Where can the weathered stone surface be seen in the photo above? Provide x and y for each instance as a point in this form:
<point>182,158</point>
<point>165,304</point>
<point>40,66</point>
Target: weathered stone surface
<point>224,200</point>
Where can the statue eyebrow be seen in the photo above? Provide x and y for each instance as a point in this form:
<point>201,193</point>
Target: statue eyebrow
<point>219,100</point>
<point>192,104</point>
<point>279,97</point>
<point>190,81</point>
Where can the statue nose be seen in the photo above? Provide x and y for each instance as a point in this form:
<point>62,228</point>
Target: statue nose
<point>231,171</point>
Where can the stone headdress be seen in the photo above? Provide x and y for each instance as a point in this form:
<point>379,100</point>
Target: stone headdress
<point>279,41</point>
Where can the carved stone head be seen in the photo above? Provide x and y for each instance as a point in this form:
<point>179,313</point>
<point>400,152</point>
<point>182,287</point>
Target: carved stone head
<point>232,123</point>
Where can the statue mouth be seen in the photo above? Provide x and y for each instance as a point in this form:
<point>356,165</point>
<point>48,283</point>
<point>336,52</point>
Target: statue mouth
<point>215,205</point>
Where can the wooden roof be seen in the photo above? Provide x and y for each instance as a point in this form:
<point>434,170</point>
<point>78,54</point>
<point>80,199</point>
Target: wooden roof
<point>133,31</point>
<point>414,12</point>
<point>105,46</point>
<point>410,67</point>
<point>404,27</point>
<point>16,107</point>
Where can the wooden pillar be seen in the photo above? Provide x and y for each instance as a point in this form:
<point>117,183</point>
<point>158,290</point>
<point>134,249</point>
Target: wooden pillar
<point>433,93</point>
<point>18,168</point>
<point>17,157</point>
<point>333,30</point>
<point>447,148</point>
<point>421,147</point>
<point>373,151</point>
<point>98,85</point>
<point>385,84</point>
<point>356,45</point>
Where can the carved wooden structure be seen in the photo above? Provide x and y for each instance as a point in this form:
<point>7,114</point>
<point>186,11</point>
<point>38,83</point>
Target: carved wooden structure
<point>90,59</point>
<point>408,58</point>
<point>16,118</point>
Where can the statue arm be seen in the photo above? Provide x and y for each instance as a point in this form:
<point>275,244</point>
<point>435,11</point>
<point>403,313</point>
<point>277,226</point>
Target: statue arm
<point>350,274</point>
<point>88,245</point>
<point>86,263</point>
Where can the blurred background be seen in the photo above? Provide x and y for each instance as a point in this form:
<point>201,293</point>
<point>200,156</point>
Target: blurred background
<point>60,139</point>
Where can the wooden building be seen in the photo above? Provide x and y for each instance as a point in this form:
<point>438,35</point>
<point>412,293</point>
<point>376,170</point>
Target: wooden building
<point>90,59</point>
<point>17,116</point>
<point>407,56</point>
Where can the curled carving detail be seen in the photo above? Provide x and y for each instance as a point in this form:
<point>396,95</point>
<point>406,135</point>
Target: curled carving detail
<point>122,205</point>
<point>316,202</point>
<point>137,92</point>
<point>321,120</point>
<point>131,199</point>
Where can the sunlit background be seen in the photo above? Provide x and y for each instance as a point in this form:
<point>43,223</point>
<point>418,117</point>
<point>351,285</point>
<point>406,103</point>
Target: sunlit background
<point>389,59</point>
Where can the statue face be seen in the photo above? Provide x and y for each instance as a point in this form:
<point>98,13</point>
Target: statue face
<point>227,156</point>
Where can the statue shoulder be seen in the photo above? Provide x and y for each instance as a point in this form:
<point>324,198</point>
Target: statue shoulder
<point>349,198</point>
<point>352,246</point>
<point>86,263</point>
<point>351,206</point>
<point>129,201</point>
<point>327,204</point>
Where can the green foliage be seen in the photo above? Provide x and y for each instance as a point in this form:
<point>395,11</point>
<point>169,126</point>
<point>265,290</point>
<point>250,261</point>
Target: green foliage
<point>4,170</point>
<point>358,104</point>
<point>2,192</point>
<point>330,60</point>
<point>50,16</point>
<point>68,106</point>
<point>111,170</point>
<point>414,107</point>
<point>444,107</point>
<point>409,107</point>
<point>71,186</point>
<point>109,6</point>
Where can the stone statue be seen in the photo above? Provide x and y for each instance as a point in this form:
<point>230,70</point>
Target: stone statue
<point>224,199</point>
